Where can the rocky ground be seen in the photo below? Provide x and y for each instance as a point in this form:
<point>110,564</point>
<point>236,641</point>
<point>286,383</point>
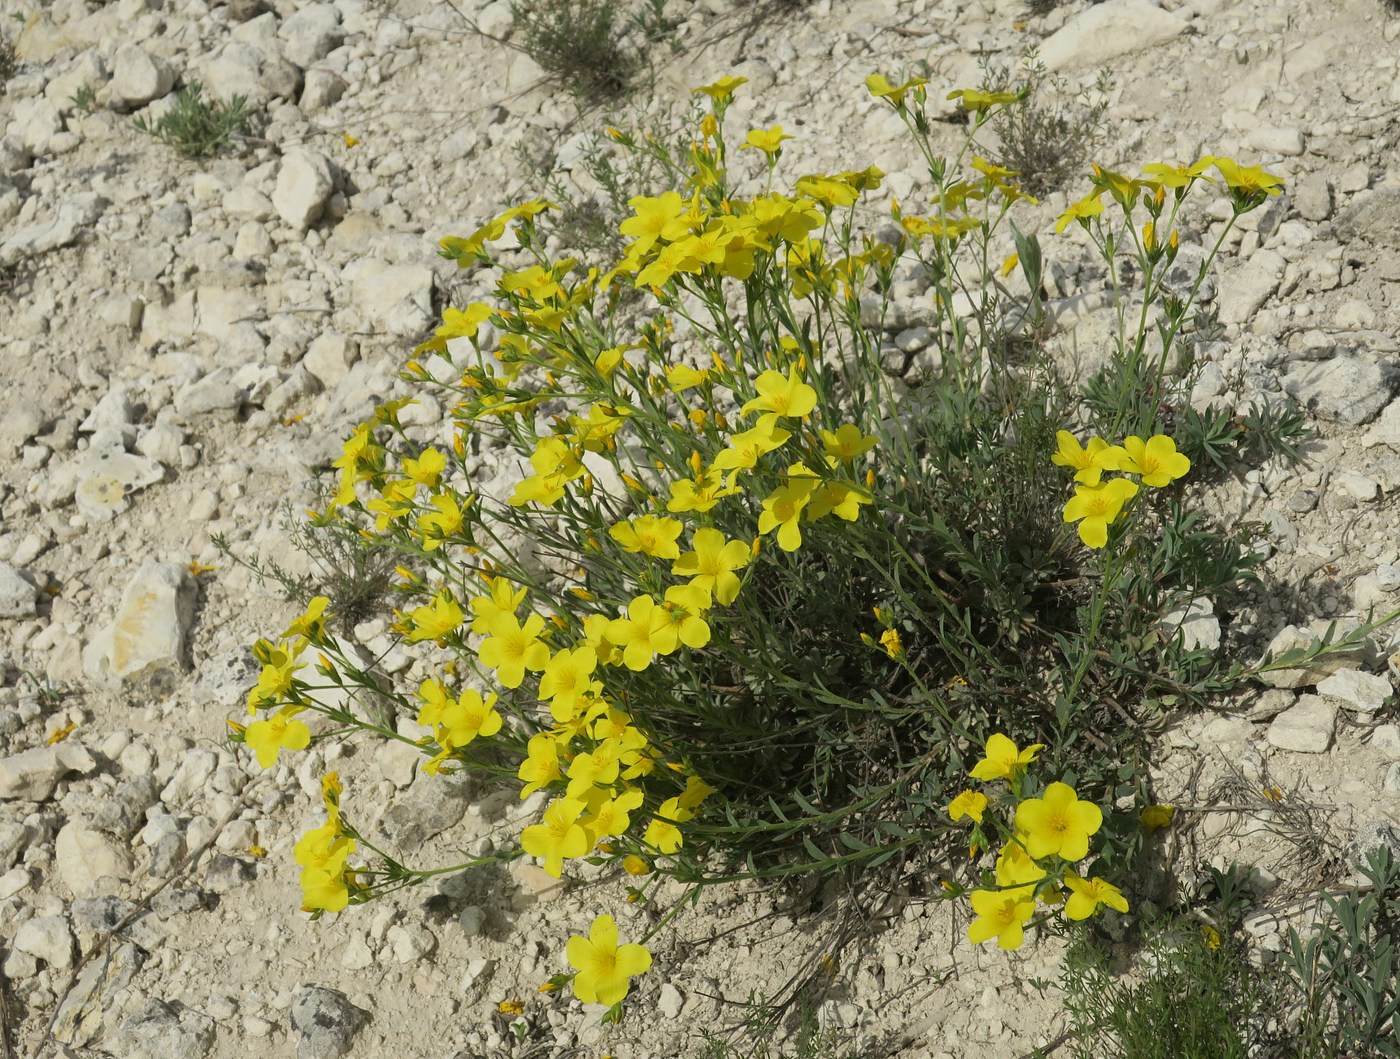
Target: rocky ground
<point>182,341</point>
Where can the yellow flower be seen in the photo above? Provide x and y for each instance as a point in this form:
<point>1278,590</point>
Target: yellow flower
<point>702,492</point>
<point>1089,462</point>
<point>975,99</point>
<point>1179,175</point>
<point>1155,460</point>
<point>512,648</point>
<point>1156,817</point>
<point>655,219</point>
<point>783,507</point>
<point>1003,760</point>
<point>609,814</point>
<point>567,679</point>
<point>970,804</point>
<point>1001,914</point>
<point>1096,507</point>
<point>311,624</point>
<point>324,891</point>
<point>782,395</point>
<point>457,323</point>
<point>1250,181</point>
<point>662,834</point>
<point>436,620</point>
<point>649,535</point>
<point>1091,205</point>
<point>847,442</point>
<point>603,967</point>
<point>1211,935</point>
<point>1057,823</point>
<point>1088,894</point>
<point>559,837</point>
<point>635,865</point>
<point>505,598</point>
<point>470,716</point>
<point>277,676</point>
<point>769,141</point>
<point>645,633</point>
<point>444,521</point>
<point>712,565</point>
<point>880,88</point>
<point>277,733</point>
<point>889,640</point>
<point>747,447</point>
<point>541,765</point>
<point>721,91</point>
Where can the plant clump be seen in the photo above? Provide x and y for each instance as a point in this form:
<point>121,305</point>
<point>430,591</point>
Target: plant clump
<point>195,127</point>
<point>742,603</point>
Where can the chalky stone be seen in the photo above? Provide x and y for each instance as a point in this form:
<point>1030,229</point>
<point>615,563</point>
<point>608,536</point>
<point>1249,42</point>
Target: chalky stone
<point>150,627</point>
<point>101,497</point>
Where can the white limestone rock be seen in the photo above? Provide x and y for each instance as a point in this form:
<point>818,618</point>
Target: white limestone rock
<point>1105,31</point>
<point>305,184</point>
<point>1305,728</point>
<point>151,626</point>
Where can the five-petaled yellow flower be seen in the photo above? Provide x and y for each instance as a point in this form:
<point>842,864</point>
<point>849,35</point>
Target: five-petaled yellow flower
<point>604,967</point>
<point>1086,895</point>
<point>1003,759</point>
<point>769,141</point>
<point>1001,914</point>
<point>1155,460</point>
<point>281,731</point>
<point>970,804</point>
<point>1095,507</point>
<point>1156,817</point>
<point>1089,462</point>
<point>1058,823</point>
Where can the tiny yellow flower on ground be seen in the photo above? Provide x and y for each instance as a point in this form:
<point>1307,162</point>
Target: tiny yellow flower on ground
<point>1057,823</point>
<point>603,966</point>
<point>1156,817</point>
<point>1003,760</point>
<point>1211,935</point>
<point>1001,914</point>
<point>970,804</point>
<point>267,738</point>
<point>1095,507</point>
<point>1088,894</point>
<point>1155,460</point>
<point>1089,462</point>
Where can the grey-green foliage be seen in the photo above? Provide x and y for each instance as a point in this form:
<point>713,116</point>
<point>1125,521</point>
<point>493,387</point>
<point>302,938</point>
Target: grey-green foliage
<point>1048,137</point>
<point>9,62</point>
<point>1346,971</point>
<point>579,43</point>
<point>1194,994</point>
<point>196,127</point>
